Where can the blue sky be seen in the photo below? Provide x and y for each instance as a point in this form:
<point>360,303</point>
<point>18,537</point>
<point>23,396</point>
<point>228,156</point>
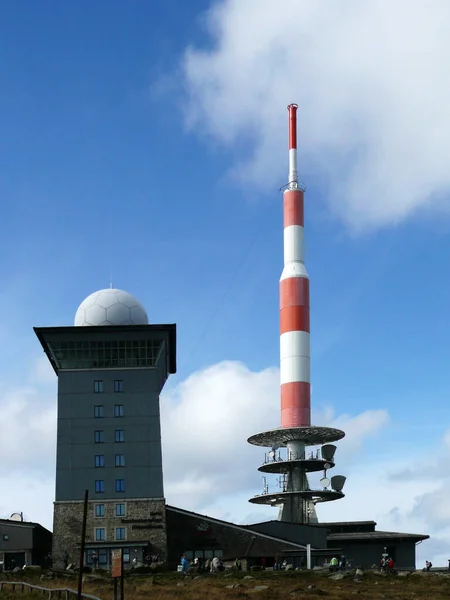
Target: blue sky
<point>122,151</point>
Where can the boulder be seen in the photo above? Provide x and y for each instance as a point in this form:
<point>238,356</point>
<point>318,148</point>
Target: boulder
<point>248,577</point>
<point>337,576</point>
<point>35,568</point>
<point>359,573</point>
<point>259,588</point>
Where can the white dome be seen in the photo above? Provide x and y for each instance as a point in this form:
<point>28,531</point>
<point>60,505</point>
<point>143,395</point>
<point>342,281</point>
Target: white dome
<point>110,307</point>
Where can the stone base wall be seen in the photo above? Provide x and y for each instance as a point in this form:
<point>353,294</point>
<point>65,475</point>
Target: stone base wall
<point>144,521</point>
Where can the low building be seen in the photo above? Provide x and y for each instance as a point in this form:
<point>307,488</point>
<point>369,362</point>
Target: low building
<point>200,536</point>
<point>364,546</point>
<point>358,541</point>
<point>24,543</point>
<point>204,537</point>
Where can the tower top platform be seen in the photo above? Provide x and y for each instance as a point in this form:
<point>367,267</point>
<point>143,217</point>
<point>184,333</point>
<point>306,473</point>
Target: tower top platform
<point>310,436</point>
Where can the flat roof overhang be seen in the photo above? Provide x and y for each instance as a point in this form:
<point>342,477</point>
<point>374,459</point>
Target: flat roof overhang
<point>43,333</point>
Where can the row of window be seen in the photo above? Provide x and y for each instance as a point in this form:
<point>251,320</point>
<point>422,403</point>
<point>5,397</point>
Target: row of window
<point>100,460</point>
<point>99,510</point>
<point>103,556</point>
<point>119,534</point>
<point>99,437</point>
<point>100,486</point>
<point>99,411</point>
<point>99,388</point>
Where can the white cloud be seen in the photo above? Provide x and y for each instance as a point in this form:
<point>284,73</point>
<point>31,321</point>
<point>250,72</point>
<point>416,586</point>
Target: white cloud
<point>207,419</point>
<point>42,371</point>
<point>371,80</point>
<point>29,437</point>
<point>25,492</point>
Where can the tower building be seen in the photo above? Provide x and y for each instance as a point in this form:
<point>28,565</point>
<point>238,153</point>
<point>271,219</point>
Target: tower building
<point>111,367</point>
<point>288,455</point>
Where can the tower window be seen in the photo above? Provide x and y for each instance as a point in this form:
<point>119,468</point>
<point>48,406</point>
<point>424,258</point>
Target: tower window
<point>98,437</point>
<point>98,386</point>
<point>120,533</point>
<point>118,410</point>
<point>119,435</point>
<point>120,460</point>
<point>120,485</point>
<point>99,486</point>
<point>120,510</point>
<point>99,510</point>
<point>99,460</point>
<point>98,411</point>
<point>118,386</point>
<point>100,534</point>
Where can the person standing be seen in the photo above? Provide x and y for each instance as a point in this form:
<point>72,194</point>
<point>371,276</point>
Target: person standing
<point>184,564</point>
<point>334,564</point>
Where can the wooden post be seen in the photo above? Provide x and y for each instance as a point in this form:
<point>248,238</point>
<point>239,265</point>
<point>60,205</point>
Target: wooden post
<point>122,575</point>
<point>117,570</point>
<point>83,544</point>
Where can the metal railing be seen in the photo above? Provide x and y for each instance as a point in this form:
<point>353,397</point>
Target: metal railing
<point>58,593</point>
<point>271,457</point>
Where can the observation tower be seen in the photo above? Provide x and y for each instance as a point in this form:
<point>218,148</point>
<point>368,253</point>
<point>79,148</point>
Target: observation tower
<point>297,447</point>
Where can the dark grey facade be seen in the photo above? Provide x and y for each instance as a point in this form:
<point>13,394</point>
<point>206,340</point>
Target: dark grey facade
<point>109,437</point>
<point>108,428</point>
<point>294,532</point>
<point>204,537</point>
<point>24,543</point>
<point>364,546</point>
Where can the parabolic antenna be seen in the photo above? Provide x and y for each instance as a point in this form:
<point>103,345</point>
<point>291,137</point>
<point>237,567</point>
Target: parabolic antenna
<point>337,482</point>
<point>328,451</point>
<point>325,482</point>
<point>16,517</point>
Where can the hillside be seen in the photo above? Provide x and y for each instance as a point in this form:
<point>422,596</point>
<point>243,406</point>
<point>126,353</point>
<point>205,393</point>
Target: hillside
<point>262,585</point>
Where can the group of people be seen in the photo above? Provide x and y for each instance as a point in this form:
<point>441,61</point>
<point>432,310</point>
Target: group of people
<point>213,565</point>
<point>337,564</point>
<point>387,564</point>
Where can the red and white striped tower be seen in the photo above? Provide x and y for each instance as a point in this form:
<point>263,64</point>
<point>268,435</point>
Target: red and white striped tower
<point>296,498</point>
<point>294,300</point>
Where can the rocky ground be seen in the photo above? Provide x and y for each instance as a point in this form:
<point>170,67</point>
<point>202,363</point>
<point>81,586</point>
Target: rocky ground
<point>262,585</point>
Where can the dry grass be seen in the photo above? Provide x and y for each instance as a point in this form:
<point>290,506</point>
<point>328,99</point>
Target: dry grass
<point>280,585</point>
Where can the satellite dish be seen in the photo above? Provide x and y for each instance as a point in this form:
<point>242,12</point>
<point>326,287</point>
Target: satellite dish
<point>16,517</point>
<point>338,482</point>
<point>325,482</point>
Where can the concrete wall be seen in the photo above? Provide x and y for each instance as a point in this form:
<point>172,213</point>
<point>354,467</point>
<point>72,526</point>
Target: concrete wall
<point>76,448</point>
<point>20,537</point>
